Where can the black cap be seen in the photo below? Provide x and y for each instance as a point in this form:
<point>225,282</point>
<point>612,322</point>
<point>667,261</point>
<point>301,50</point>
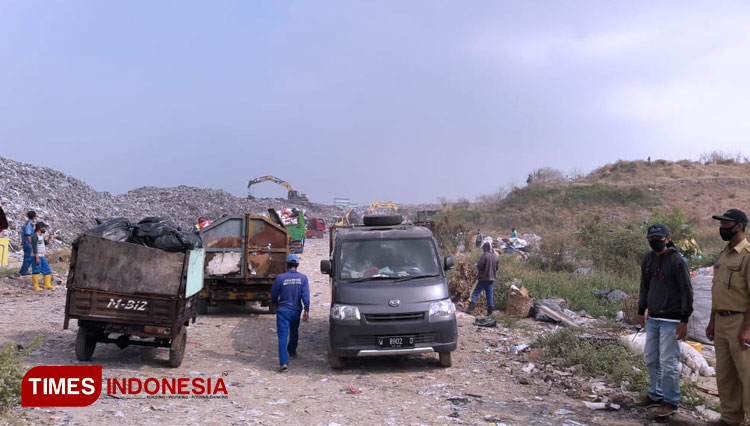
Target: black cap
<point>734,215</point>
<point>657,230</point>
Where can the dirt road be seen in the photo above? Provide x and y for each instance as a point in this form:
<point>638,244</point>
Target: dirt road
<point>483,387</point>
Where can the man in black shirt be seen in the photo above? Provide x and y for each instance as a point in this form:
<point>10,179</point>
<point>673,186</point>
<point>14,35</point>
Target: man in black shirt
<point>667,294</point>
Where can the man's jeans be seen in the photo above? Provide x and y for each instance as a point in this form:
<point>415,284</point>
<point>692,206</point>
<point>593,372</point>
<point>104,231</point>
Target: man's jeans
<point>287,326</point>
<point>28,258</point>
<point>662,355</point>
<point>487,287</point>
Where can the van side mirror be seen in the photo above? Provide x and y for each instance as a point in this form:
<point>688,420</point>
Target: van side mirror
<point>325,266</point>
<point>448,263</point>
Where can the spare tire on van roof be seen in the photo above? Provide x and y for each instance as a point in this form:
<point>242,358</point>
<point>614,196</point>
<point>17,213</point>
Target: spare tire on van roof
<point>382,220</point>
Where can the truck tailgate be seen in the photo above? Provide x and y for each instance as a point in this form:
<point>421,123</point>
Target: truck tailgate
<point>96,305</point>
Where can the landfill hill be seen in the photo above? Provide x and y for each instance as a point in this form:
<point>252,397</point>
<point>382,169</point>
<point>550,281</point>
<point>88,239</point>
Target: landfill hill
<point>71,205</point>
<point>625,190</point>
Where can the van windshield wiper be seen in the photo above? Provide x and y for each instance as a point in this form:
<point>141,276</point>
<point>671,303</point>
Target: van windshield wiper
<point>415,277</point>
<point>359,280</point>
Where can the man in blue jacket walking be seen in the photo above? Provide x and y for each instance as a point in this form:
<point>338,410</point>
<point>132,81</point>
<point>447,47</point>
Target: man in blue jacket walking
<point>290,293</point>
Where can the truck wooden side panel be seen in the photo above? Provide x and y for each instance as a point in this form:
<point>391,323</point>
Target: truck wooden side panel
<point>119,267</point>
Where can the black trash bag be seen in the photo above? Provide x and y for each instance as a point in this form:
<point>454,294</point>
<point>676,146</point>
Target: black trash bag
<point>150,219</point>
<point>146,233</point>
<point>170,242</point>
<point>177,242</point>
<point>115,229</point>
<point>192,238</point>
<point>157,219</point>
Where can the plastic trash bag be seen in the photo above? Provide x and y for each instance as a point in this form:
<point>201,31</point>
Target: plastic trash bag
<point>115,229</point>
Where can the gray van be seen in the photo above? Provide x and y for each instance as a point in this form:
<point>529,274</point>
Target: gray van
<point>389,293</point>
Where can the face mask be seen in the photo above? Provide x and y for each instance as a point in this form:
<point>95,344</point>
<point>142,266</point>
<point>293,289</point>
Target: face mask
<point>727,234</point>
<point>658,245</point>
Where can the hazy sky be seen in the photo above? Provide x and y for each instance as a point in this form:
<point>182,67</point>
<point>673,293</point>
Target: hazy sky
<point>372,100</point>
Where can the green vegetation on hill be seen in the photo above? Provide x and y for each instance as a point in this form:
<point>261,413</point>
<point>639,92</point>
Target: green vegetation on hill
<point>598,223</point>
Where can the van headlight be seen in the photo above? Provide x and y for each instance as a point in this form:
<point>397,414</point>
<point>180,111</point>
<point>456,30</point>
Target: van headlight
<point>442,310</point>
<point>344,312</point>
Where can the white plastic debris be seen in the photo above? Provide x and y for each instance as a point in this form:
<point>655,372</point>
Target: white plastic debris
<point>692,362</point>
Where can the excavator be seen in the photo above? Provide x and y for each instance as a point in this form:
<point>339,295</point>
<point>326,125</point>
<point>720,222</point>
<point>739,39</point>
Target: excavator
<point>292,195</point>
<point>349,218</point>
<point>381,205</point>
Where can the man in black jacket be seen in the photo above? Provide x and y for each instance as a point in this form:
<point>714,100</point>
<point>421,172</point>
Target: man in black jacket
<point>667,294</point>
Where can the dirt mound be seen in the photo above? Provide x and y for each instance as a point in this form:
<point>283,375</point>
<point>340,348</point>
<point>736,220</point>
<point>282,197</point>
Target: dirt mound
<point>622,191</point>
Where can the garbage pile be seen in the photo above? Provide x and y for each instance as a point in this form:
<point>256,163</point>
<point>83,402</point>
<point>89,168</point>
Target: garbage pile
<point>519,246</point>
<point>151,231</point>
<point>692,362</point>
<point>71,206</point>
<point>289,216</point>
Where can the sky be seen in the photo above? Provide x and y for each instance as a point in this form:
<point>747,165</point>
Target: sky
<point>370,100</point>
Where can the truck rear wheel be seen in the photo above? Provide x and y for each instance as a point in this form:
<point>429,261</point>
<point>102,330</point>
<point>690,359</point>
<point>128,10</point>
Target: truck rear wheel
<point>446,360</point>
<point>336,362</point>
<point>177,350</point>
<point>85,344</point>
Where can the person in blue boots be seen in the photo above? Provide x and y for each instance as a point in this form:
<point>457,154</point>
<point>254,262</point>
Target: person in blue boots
<point>26,233</point>
<point>40,266</point>
<point>290,293</point>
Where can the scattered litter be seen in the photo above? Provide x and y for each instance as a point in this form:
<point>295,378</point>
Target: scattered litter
<point>458,400</point>
<point>529,368</point>
<point>518,348</point>
<point>584,271</point>
<point>556,316</point>
<point>563,412</point>
<point>351,389</point>
<point>485,322</point>
<point>692,363</point>
<point>612,295</point>
<point>602,406</point>
<point>707,413</point>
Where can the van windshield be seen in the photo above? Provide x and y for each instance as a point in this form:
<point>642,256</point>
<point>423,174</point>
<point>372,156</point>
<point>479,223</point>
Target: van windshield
<point>381,259</point>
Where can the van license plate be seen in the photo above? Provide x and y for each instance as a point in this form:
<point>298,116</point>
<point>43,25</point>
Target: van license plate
<point>396,342</point>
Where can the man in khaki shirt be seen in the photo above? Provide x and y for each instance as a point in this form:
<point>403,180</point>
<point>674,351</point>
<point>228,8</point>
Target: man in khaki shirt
<point>729,326</point>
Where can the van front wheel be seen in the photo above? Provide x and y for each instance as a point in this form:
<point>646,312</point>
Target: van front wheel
<point>446,360</point>
<point>336,362</point>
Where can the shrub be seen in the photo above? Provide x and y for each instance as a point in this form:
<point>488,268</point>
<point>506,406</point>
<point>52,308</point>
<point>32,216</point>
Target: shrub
<point>681,231</point>
<point>11,374</point>
<point>545,175</point>
<point>578,290</point>
<point>556,253</point>
<point>610,360</point>
<point>721,157</point>
<point>452,228</point>
<point>615,247</point>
